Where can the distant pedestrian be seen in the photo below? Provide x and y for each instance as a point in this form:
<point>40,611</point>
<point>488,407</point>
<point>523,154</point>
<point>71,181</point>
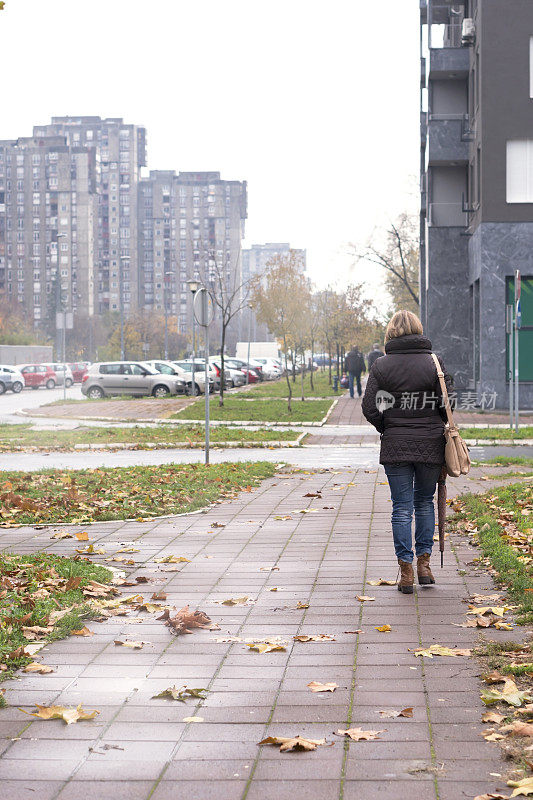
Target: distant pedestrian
<point>375,353</point>
<point>354,365</point>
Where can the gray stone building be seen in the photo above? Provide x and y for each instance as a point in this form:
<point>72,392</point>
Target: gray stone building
<point>48,207</point>
<point>191,227</point>
<point>477,187</point>
<point>119,153</point>
<point>255,262</point>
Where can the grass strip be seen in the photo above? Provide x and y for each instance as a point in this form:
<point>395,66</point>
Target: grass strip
<point>253,409</point>
<point>497,433</point>
<point>92,495</point>
<point>504,461</point>
<point>34,589</point>
<point>503,533</point>
<point>18,437</point>
<point>278,388</point>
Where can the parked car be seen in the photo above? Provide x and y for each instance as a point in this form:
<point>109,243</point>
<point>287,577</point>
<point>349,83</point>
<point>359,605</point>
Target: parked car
<point>183,381</point>
<point>271,369</point>
<point>199,375</point>
<point>109,378</point>
<point>236,363</point>
<point>78,369</point>
<point>11,378</point>
<point>36,375</point>
<point>234,377</point>
<point>63,373</point>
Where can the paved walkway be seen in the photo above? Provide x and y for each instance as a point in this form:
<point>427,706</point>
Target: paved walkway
<point>139,748</point>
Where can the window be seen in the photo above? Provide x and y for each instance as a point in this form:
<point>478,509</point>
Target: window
<point>520,171</point>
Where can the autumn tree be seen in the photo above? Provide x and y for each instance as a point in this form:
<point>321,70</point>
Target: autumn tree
<point>277,301</point>
<point>15,328</point>
<point>396,251</point>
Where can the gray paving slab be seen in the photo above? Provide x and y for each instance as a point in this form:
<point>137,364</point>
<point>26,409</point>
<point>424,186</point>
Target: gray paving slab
<point>324,559</point>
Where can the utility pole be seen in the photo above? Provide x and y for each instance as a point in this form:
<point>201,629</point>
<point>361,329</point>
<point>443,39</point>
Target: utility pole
<point>517,325</point>
<point>193,287</point>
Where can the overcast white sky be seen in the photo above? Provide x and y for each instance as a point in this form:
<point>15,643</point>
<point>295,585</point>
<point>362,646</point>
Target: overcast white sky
<point>315,104</point>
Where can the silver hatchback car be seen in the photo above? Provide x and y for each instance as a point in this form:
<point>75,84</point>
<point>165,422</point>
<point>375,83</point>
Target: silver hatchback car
<point>127,377</point>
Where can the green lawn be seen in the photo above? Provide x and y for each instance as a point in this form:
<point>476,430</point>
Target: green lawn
<point>89,495</point>
<point>257,410</point>
<point>497,433</point>
<point>507,548</point>
<point>38,588</point>
<point>17,437</point>
<point>278,388</point>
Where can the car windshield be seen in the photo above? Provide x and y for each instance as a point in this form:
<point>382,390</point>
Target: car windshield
<point>148,367</point>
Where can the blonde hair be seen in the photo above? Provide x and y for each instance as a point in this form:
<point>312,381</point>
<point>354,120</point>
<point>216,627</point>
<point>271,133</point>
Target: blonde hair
<point>403,323</point>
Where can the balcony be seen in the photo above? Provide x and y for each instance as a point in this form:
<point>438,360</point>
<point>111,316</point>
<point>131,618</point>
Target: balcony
<point>447,142</point>
<point>447,215</point>
<point>448,62</point>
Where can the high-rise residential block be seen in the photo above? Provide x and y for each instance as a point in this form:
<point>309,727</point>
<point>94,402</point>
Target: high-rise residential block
<point>47,227</point>
<point>477,188</point>
<point>191,227</point>
<point>119,153</point>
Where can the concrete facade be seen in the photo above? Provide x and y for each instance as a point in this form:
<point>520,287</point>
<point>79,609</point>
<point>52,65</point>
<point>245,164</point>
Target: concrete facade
<point>48,207</point>
<point>476,103</point>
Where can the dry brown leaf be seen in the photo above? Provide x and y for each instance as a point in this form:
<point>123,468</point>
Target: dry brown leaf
<point>40,669</point>
<point>61,535</point>
<point>82,537</point>
<point>390,712</point>
<point>192,719</point>
<point>83,632</point>
<point>364,598</point>
<point>236,601</point>
<point>322,687</point>
<point>358,734</point>
<point>293,743</point>
<point>267,646</point>
<point>70,715</point>
<point>186,619</point>
<point>518,728</point>
<point>317,637</point>
<point>381,582</point>
<point>383,628</point>
<point>493,677</point>
<point>159,596</point>
<point>172,560</point>
<point>492,716</point>
<point>128,643</point>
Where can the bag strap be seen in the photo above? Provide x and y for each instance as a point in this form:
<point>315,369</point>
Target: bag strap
<point>444,391</point>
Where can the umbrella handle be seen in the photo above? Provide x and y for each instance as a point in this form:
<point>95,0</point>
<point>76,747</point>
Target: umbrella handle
<point>441,559</point>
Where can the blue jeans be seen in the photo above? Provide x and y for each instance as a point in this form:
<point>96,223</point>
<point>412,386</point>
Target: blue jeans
<point>412,486</point>
<point>357,377</point>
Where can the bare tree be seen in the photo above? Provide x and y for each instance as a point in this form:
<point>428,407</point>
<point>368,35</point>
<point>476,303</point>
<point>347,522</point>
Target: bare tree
<point>397,253</point>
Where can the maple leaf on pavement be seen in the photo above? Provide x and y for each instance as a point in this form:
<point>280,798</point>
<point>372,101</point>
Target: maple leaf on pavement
<point>358,734</point>
<point>293,743</point>
<point>69,715</point>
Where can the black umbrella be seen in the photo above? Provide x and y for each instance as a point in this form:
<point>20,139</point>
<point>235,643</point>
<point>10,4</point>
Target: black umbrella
<point>441,511</point>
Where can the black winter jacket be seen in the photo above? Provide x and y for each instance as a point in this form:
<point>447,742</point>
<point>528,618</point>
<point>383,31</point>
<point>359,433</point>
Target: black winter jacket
<point>408,412</point>
<point>354,362</point>
<point>373,356</point>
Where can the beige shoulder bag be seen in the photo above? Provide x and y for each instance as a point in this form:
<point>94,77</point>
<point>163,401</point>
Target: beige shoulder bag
<point>456,452</point>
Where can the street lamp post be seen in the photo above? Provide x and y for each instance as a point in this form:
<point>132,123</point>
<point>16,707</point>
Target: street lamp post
<point>249,334</point>
<point>193,287</point>
<point>121,304</point>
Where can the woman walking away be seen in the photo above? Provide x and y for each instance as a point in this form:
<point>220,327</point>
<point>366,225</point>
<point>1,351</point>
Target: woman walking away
<point>403,401</point>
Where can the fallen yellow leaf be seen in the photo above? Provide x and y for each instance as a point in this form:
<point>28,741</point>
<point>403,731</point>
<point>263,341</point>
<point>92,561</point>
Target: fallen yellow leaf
<point>322,687</point>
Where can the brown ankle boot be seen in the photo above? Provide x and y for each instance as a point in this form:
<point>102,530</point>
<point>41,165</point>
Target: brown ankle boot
<point>407,577</point>
<point>425,576</point>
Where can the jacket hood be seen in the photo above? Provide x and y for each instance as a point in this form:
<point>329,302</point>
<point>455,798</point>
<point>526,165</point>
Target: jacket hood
<point>413,343</point>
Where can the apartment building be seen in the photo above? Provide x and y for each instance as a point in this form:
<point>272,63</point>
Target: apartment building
<point>119,153</point>
<point>476,224</point>
<point>192,225</point>
<point>47,227</point>
<point>255,262</point>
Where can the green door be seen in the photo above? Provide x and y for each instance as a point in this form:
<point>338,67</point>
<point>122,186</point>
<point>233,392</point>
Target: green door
<point>525,338</point>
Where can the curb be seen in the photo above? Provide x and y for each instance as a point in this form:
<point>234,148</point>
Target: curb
<point>495,442</point>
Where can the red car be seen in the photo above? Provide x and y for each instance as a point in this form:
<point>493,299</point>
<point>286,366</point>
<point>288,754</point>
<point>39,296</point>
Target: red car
<point>79,371</point>
<point>36,375</point>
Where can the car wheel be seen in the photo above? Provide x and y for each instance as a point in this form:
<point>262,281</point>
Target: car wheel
<point>95,393</point>
<point>160,391</point>
<point>50,384</point>
<point>17,387</point>
<point>2,387</point>
<point>194,391</point>
<point>68,383</point>
<point>34,387</point>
